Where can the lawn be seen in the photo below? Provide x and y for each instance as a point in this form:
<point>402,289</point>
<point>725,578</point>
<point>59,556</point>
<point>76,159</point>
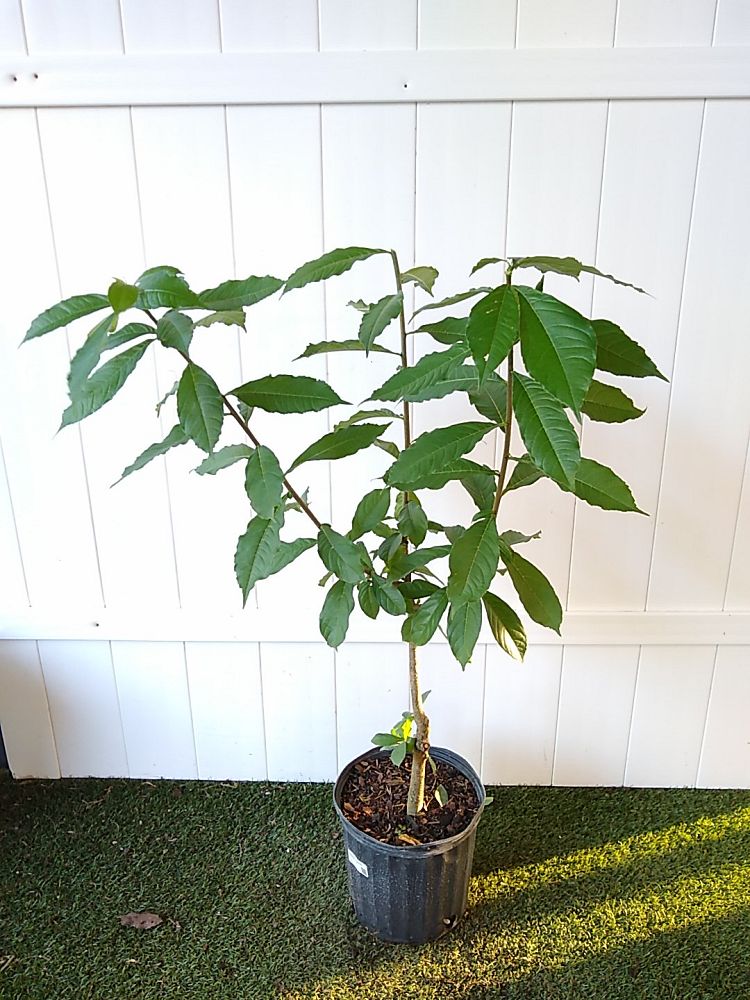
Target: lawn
<point>577,893</point>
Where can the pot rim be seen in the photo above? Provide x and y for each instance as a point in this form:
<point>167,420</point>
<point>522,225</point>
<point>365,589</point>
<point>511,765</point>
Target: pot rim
<point>432,846</point>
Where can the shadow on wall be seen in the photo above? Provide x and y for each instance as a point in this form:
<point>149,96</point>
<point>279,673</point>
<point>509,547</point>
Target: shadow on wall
<point>3,755</point>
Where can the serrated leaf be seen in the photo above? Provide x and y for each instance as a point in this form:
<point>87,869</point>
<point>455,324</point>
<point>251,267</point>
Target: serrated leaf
<point>524,474</point>
<point>558,346</point>
<point>618,354</point>
<point>87,356</point>
<point>608,404</point>
<point>485,261</point>
<point>599,486</point>
<point>378,317</point>
<point>371,510</point>
<point>422,276</point>
<point>473,562</point>
<point>481,488</point>
<point>340,555</point>
<point>223,458</point>
<point>90,395</point>
<point>388,447</point>
<point>389,598</point>
<point>360,305</point>
<point>235,294</point>
<point>264,481</point>
<point>175,329</point>
<point>121,295</point>
<point>506,626</point>
<point>166,396</point>
<point>419,627</point>
<point>287,394</point>
<point>340,444</point>
<point>449,330</point>
<point>337,346</point>
<point>517,537</point>
<point>175,437</point>
<point>460,378</point>
<point>402,563</point>
<point>335,613</point>
<point>441,794</point>
<point>287,552</point>
<point>228,317</point>
<point>65,312</point>
<point>413,379</point>
<point>534,589</point>
<point>464,625</point>
<point>255,554</point>
<point>390,546</point>
<point>131,331</point>
<point>367,599</point>
<point>546,431</point>
<point>491,399</point>
<point>414,590</point>
<point>589,269</point>
<point>362,415</point>
<point>452,300</point>
<point>328,266</point>
<point>164,286</point>
<point>454,468</point>
<point>429,454</point>
<point>493,329</point>
<point>200,407</point>
<point>569,267</point>
<point>412,522</point>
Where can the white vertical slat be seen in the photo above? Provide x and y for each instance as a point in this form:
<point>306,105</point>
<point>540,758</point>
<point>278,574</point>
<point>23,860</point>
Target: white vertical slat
<point>520,716</point>
<point>665,22</point>
<point>596,699</point>
<point>368,24</point>
<point>643,236</point>
<point>709,415</point>
<point>13,588</point>
<point>155,709</point>
<point>455,702</point>
<point>285,26</point>
<point>299,698</point>
<point>170,25</point>
<point>578,23</point>
<point>725,761</point>
<point>132,521</point>
<point>49,492</point>
<point>24,713</point>
<point>669,712</point>
<point>738,584</point>
<point>372,690</point>
<point>84,26</point>
<point>226,698</point>
<point>472,24</point>
<point>12,35</point>
<point>84,708</point>
<point>732,22</point>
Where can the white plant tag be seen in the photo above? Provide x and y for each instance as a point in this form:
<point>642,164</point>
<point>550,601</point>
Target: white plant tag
<point>359,865</point>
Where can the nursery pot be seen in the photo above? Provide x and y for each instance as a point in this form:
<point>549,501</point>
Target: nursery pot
<point>409,894</point>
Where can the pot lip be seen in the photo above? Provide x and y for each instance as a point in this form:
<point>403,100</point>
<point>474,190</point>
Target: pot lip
<point>432,846</point>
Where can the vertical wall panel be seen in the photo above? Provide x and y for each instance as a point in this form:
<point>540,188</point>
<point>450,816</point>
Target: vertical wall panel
<point>24,713</point>
<point>738,584</point>
<point>596,698</point>
<point>285,26</point>
<point>155,709</point>
<point>732,22</point>
<point>299,696</point>
<point>455,701</point>
<point>566,22</point>
<point>84,26</point>
<point>84,708</point>
<point>226,699</point>
<point>669,712</point>
<point>520,716</point>
<point>372,690</point>
<point>368,24</point>
<point>725,762</point>
<point>665,22</point>
<point>472,24</point>
<point>169,25</point>
<point>12,35</point>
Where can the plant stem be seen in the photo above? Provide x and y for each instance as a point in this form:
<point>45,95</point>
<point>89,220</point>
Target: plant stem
<point>415,800</point>
<point>506,444</point>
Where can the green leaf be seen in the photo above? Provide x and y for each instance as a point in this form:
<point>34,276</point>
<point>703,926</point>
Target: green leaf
<point>103,385</point>
<point>518,538</point>
<point>334,615</point>
<point>165,397</point>
<point>452,300</point>
<point>464,625</point>
<point>534,589</point>
<point>367,598</point>
<point>378,317</point>
<point>229,317</point>
<point>441,794</point>
<point>610,277</point>
<point>481,488</point>
<point>371,510</point>
<point>388,597</point>
<point>360,305</point>
<point>493,328</point>
<point>391,546</point>
<point>340,444</point>
<point>546,431</point>
<point>175,437</point>
<point>175,329</point>
<point>618,354</point>
<point>432,451</point>
<point>473,562</point>
<point>336,346</point>
<point>524,474</point>
<point>65,312</point>
<point>413,379</point>
<point>558,346</point>
<point>505,626</point>
<point>264,481</point>
<point>287,394</point>
<point>87,356</point>
<point>403,563</point>
<point>569,267</point>
<point>255,555</point>
<point>340,555</point>
<point>420,627</point>
<point>131,331</point>
<point>121,295</point>
<point>609,404</point>
<point>164,286</point>
<point>450,330</point>
<point>414,590</point>
<point>460,378</point>
<point>601,487</point>
<point>422,276</point>
<point>362,415</point>
<point>287,552</point>
<point>398,754</point>
<point>388,447</point>
<point>485,261</point>
<point>412,522</point>
<point>491,399</point>
<point>327,266</point>
<point>384,740</point>
<point>454,468</point>
<point>200,407</point>
<point>233,295</point>
<point>223,458</point>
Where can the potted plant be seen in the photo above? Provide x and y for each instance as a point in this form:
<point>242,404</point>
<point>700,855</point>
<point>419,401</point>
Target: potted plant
<point>409,810</point>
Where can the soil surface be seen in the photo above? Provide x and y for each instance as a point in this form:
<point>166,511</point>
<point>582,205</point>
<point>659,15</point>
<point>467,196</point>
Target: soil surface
<point>374,800</point>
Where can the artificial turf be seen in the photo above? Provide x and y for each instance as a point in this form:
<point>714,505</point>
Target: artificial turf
<point>577,893</point>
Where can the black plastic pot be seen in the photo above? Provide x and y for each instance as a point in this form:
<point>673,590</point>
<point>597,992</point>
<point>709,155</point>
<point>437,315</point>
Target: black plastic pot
<point>409,894</point>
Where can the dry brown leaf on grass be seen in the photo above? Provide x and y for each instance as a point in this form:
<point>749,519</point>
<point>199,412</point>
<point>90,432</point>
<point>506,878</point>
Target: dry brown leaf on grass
<point>141,921</point>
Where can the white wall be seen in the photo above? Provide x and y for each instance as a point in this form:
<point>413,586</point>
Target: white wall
<point>124,650</point>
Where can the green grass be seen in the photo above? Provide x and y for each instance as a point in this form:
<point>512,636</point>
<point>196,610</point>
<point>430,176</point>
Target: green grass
<point>576,893</point>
